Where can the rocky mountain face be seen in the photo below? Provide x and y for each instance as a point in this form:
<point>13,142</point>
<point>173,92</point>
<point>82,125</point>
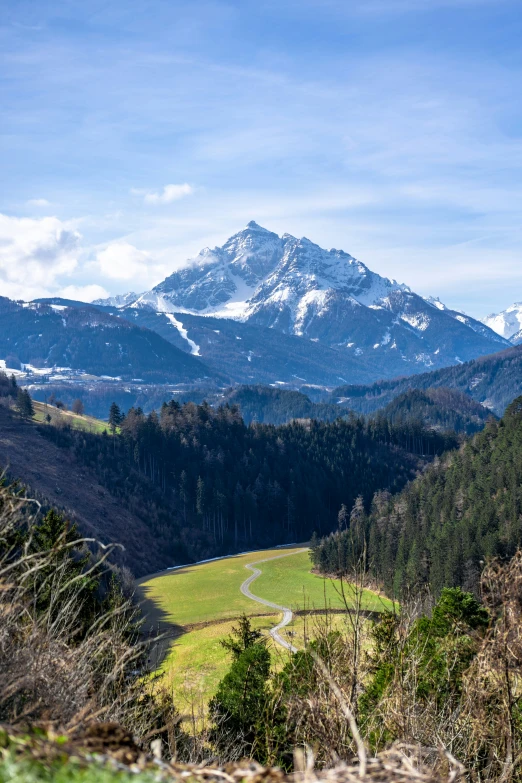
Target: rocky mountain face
<point>327,297</point>
<point>508,323</point>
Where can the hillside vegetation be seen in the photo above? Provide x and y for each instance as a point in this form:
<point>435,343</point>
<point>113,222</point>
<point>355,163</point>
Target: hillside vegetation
<point>48,414</point>
<point>206,484</point>
<point>440,409</point>
<point>494,381</point>
<point>379,684</point>
<point>438,531</point>
<point>265,404</point>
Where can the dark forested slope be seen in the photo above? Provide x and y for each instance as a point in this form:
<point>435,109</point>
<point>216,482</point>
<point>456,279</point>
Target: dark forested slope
<point>202,483</point>
<point>442,409</point>
<point>494,381</point>
<point>90,340</point>
<point>265,404</point>
<point>440,528</point>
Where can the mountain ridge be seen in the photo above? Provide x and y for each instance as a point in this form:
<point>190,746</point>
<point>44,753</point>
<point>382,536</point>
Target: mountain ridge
<point>295,287</point>
<point>87,338</point>
<point>493,381</point>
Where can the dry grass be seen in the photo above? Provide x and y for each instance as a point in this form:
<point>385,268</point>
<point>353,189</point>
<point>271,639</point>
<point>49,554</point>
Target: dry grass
<point>103,749</point>
<point>51,669</point>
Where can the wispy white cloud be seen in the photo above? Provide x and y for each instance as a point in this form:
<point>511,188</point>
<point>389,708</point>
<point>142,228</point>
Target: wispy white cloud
<point>38,202</point>
<point>168,193</point>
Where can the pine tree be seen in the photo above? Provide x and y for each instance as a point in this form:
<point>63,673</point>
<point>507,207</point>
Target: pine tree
<point>24,404</point>
<point>200,497</point>
<point>55,534</point>
<point>342,518</point>
<point>239,706</point>
<point>115,417</point>
<point>242,637</point>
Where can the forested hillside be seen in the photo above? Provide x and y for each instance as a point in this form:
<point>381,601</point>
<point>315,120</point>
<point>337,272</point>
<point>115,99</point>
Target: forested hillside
<point>494,381</point>
<point>442,409</point>
<point>279,406</point>
<point>87,339</point>
<point>439,530</point>
<point>203,483</point>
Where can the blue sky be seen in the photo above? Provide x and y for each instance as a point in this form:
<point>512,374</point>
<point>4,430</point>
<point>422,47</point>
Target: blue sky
<point>134,133</point>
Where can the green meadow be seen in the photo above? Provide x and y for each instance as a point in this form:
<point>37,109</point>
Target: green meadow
<point>87,423</point>
<point>290,582</point>
<point>200,603</point>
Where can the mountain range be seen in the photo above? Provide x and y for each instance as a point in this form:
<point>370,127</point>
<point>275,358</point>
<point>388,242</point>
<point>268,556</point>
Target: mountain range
<point>260,309</point>
<point>293,287</point>
<point>493,381</point>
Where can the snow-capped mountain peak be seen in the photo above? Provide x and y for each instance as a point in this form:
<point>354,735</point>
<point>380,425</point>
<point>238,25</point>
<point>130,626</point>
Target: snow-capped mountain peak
<point>294,286</point>
<point>507,323</point>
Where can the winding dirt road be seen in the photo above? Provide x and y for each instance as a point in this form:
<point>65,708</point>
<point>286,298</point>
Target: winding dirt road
<point>287,613</point>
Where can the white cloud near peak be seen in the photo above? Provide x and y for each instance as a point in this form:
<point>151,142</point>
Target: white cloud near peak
<point>83,293</point>
<point>168,193</point>
<point>122,261</point>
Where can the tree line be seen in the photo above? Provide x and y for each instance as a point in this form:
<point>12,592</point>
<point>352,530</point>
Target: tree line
<point>205,483</point>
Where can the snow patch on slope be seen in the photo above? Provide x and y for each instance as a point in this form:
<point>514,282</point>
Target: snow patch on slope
<point>419,321</point>
<point>194,349</point>
<point>315,301</point>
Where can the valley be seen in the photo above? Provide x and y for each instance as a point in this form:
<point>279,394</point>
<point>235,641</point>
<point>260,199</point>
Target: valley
<point>194,607</point>
<point>260,391</point>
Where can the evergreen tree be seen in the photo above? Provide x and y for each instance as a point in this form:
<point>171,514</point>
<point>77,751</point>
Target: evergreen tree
<point>115,417</point>
<point>24,404</point>
<point>238,708</point>
<point>242,637</point>
<point>56,535</point>
<point>342,518</point>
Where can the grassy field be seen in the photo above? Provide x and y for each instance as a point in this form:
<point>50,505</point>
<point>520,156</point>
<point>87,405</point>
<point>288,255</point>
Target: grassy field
<point>205,592</point>
<point>87,423</point>
<point>289,581</point>
<point>197,604</point>
<point>196,662</point>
